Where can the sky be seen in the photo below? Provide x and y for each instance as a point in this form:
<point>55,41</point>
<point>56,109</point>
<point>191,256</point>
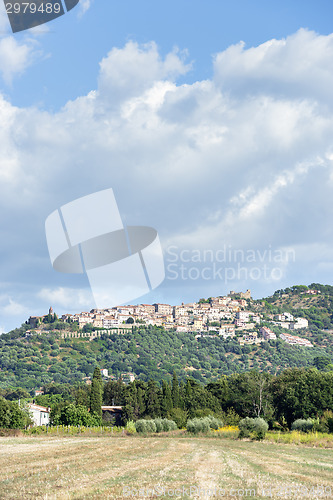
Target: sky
<point>211,121</point>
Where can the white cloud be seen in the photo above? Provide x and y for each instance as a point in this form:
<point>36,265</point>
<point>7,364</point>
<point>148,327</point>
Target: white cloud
<point>128,72</point>
<point>65,297</point>
<point>13,308</point>
<point>15,57</point>
<point>242,159</point>
<point>84,5</point>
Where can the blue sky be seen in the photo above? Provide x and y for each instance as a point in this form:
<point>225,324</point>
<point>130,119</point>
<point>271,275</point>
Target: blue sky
<point>216,143</point>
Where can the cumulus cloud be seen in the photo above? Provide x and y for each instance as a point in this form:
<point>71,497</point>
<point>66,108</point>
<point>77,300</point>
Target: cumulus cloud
<point>128,72</point>
<point>15,57</point>
<point>243,159</point>
<point>64,298</point>
<point>297,66</point>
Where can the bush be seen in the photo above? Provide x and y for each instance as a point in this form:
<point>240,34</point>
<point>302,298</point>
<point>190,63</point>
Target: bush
<point>179,416</point>
<point>12,416</point>
<point>203,424</point>
<point>130,427</point>
<point>196,425</point>
<point>159,424</point>
<point>254,428</point>
<point>156,425</point>
<point>326,422</point>
<point>76,415</point>
<point>168,425</point>
<point>144,426</point>
<point>214,422</point>
<point>302,425</point>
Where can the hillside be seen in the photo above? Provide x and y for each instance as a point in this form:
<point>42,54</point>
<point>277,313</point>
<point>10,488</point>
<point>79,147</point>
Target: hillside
<point>152,352</point>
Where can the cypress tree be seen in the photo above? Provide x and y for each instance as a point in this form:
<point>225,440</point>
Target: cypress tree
<point>175,390</point>
<point>166,403</point>
<point>141,402</point>
<point>153,404</point>
<point>96,393</point>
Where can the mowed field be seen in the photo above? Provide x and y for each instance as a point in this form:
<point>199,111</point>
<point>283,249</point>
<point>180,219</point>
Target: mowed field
<point>106,467</point>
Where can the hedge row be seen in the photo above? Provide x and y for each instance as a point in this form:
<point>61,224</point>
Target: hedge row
<point>203,424</point>
<point>156,425</point>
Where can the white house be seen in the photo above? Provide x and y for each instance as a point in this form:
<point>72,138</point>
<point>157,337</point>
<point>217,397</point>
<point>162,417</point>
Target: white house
<point>40,415</point>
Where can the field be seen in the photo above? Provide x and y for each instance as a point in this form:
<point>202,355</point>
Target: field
<point>115,467</point>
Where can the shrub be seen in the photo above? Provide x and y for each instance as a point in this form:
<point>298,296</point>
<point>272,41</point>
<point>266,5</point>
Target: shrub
<point>255,428</point>
<point>179,416</point>
<point>326,422</point>
<point>302,425</point>
<point>145,426</point>
<point>76,415</point>
<point>130,427</point>
<point>214,423</point>
<point>196,425</point>
<point>231,417</point>
<point>203,424</point>
<point>159,424</point>
<point>168,425</point>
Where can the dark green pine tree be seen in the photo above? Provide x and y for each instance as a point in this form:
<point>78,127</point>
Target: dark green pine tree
<point>153,400</point>
<point>175,391</point>
<point>96,393</point>
<point>141,403</point>
<point>166,403</point>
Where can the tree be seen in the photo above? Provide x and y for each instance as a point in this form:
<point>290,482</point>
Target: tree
<point>96,393</point>
<point>321,362</point>
<point>88,327</point>
<point>153,404</point>
<point>166,403</point>
<point>12,416</point>
<point>16,394</point>
<point>175,390</point>
<point>76,415</point>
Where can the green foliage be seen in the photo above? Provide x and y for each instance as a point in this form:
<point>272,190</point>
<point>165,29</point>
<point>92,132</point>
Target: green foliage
<point>302,425</point>
<point>179,416</point>
<point>198,425</point>
<point>255,428</point>
<point>156,425</point>
<point>16,394</point>
<point>130,427</point>
<point>145,426</point>
<point>214,423</point>
<point>96,394</point>
<point>149,352</point>
<point>76,415</point>
<point>12,416</point>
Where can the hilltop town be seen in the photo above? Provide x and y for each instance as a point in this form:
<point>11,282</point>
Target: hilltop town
<point>234,315</point>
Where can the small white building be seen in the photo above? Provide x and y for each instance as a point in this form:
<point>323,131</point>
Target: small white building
<point>40,415</point>
<point>299,323</point>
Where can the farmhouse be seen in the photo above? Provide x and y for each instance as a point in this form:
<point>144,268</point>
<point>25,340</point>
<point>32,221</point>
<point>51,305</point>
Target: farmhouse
<point>40,415</point>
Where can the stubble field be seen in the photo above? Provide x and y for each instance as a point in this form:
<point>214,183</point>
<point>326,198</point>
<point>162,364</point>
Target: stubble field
<point>161,467</point>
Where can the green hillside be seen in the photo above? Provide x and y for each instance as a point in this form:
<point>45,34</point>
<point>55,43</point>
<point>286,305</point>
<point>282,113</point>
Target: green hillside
<point>152,352</point>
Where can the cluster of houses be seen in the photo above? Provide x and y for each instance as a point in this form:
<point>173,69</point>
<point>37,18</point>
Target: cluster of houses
<point>224,316</point>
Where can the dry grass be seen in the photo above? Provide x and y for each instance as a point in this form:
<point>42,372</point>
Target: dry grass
<point>81,467</point>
